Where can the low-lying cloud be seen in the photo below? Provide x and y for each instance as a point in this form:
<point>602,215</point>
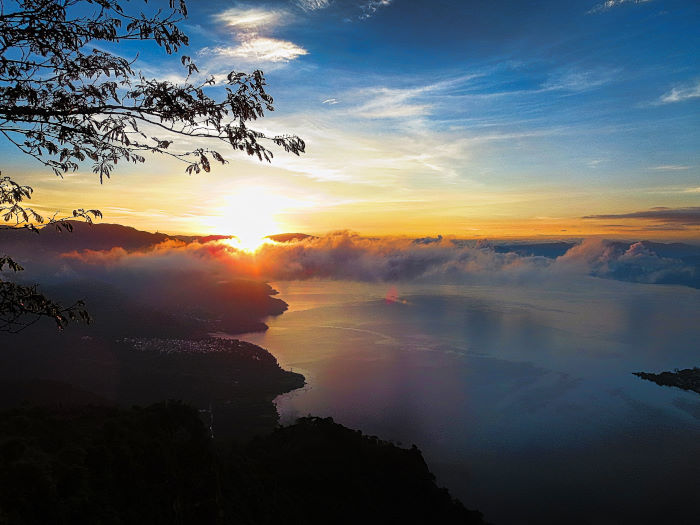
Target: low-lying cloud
<point>347,256</point>
<point>195,285</point>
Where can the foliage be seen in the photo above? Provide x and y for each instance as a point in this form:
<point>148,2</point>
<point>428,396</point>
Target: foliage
<point>23,305</point>
<point>63,103</point>
<point>157,465</point>
<point>65,100</point>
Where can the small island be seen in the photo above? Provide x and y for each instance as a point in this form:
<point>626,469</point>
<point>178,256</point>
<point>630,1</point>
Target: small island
<point>687,379</point>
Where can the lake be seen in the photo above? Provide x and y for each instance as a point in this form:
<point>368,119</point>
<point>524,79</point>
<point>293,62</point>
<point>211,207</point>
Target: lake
<point>521,398</point>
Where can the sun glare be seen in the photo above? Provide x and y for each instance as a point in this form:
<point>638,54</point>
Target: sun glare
<point>250,214</point>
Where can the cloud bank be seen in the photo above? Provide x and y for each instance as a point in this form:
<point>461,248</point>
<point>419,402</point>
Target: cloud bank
<point>347,256</point>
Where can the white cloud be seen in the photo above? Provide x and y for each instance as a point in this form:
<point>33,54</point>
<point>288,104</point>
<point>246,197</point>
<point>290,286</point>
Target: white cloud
<point>370,7</point>
<point>313,5</point>
<point>252,27</point>
<point>259,49</point>
<point>670,167</point>
<point>331,101</point>
<point>680,94</point>
<point>392,103</point>
<point>609,4</point>
<point>251,19</point>
<point>579,80</point>
<point>593,164</point>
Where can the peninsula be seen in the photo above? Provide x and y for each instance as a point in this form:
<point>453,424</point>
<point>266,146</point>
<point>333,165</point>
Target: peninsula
<point>687,379</point>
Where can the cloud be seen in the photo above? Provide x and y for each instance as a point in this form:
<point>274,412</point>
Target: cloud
<point>367,7</point>
<point>393,103</point>
<point>670,167</point>
<point>331,101</point>
<point>636,262</point>
<point>252,28</point>
<point>347,256</point>
<point>313,5</point>
<point>578,80</point>
<point>403,102</point>
<point>251,19</point>
<point>610,4</point>
<point>259,49</point>
<point>689,216</point>
<point>340,255</point>
<point>370,7</point>
<point>680,94</point>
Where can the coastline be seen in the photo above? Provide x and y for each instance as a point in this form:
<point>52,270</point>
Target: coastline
<point>687,379</point>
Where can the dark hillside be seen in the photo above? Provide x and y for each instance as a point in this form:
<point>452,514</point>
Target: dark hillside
<point>157,465</point>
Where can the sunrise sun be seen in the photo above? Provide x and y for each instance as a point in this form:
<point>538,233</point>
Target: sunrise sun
<point>250,214</point>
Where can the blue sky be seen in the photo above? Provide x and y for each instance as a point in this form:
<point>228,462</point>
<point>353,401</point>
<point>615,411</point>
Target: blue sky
<point>471,118</point>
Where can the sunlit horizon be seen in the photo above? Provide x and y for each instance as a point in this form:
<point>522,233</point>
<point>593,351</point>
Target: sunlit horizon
<point>479,130</point>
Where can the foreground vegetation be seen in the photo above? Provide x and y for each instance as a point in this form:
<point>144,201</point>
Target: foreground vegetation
<point>158,465</point>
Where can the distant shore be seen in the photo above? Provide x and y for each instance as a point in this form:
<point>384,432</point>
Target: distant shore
<point>687,379</point>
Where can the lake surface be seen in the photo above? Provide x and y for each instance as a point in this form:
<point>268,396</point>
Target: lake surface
<point>522,399</point>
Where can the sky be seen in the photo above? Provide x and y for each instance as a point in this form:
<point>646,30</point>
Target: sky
<point>471,119</point>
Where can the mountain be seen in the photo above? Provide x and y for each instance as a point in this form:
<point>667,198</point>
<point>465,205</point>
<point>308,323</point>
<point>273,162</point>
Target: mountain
<point>84,236</point>
<point>289,237</point>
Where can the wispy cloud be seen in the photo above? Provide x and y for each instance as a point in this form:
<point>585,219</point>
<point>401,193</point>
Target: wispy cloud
<point>688,216</point>
<point>370,7</point>
<point>331,101</point>
<point>421,100</point>
<point>680,94</point>
<point>259,49</point>
<point>393,103</point>
<point>578,80</point>
<point>252,19</point>
<point>610,4</point>
<point>402,102</point>
<point>595,163</point>
<point>367,7</point>
<point>669,167</point>
<point>313,5</point>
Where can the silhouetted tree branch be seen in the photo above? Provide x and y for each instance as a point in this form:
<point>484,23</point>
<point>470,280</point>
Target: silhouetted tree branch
<point>64,102</point>
<point>23,305</point>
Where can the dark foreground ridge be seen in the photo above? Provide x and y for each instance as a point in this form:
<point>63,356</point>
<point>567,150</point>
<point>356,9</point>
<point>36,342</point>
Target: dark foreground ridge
<point>688,379</point>
<point>158,465</point>
<point>233,380</point>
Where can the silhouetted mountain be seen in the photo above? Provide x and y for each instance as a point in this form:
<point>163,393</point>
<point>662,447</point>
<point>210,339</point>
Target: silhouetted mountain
<point>201,238</point>
<point>98,236</point>
<point>550,250</point>
<point>289,237</point>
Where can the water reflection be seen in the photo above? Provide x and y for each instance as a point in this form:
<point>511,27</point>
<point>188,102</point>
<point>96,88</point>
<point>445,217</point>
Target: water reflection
<point>521,398</point>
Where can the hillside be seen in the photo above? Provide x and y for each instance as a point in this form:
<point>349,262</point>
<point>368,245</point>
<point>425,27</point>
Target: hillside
<point>157,465</point>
